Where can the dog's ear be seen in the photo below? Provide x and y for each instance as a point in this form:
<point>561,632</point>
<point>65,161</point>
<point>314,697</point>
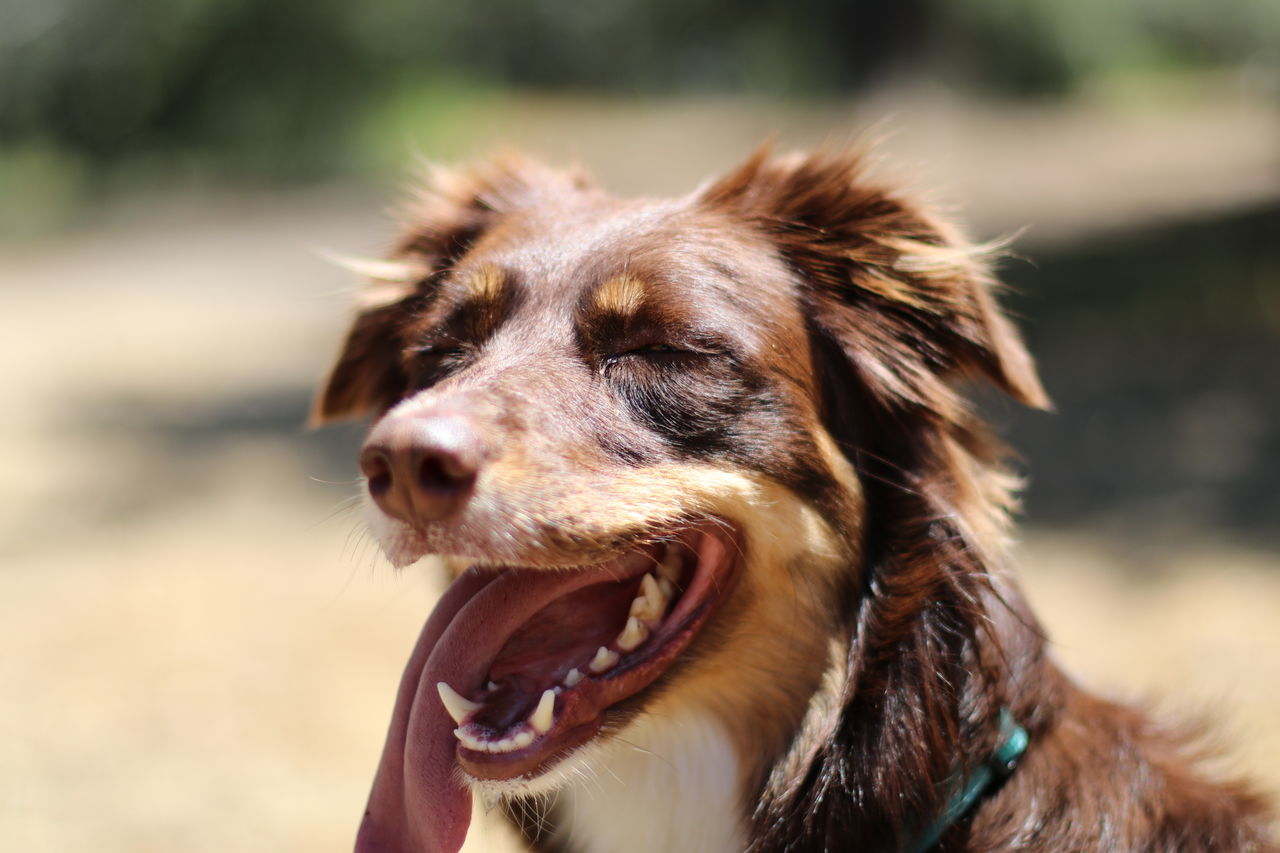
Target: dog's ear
<point>445,219</point>
<point>367,375</point>
<point>897,290</point>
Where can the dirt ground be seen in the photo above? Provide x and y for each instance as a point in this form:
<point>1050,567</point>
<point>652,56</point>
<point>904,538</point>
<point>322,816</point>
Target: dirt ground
<point>202,642</point>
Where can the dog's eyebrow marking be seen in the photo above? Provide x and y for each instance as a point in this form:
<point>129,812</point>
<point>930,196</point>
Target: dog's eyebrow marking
<point>623,295</point>
<point>478,302</point>
<point>485,285</point>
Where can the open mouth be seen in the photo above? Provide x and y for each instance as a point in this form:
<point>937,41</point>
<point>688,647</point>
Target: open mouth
<point>557,675</point>
<point>517,667</point>
<point>550,686</point>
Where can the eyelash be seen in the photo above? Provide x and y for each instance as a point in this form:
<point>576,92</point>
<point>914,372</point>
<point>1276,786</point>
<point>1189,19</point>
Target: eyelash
<point>436,349</point>
<point>660,353</point>
<point>435,358</point>
<point>431,362</point>
<point>652,348</point>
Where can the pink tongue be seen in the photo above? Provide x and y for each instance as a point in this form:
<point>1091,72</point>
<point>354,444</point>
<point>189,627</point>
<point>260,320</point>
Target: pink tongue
<point>417,805</point>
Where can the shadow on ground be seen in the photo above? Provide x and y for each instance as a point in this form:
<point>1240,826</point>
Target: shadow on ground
<point>1161,351</point>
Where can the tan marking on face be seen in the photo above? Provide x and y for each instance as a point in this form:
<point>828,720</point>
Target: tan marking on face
<point>622,295</point>
<point>766,653</point>
<point>485,284</point>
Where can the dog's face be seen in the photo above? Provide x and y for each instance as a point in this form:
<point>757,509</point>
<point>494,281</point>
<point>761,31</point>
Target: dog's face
<point>621,424</point>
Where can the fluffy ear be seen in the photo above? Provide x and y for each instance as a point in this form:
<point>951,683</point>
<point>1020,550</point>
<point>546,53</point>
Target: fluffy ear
<point>367,375</point>
<point>897,290</point>
<point>445,219</point>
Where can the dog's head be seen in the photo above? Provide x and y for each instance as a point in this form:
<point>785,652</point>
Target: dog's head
<point>647,437</point>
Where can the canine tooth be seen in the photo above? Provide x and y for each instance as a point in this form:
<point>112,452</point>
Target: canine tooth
<point>651,603</point>
<point>604,659</point>
<point>455,703</point>
<point>572,677</point>
<point>650,588</point>
<point>632,635</point>
<point>523,739</point>
<point>541,717</point>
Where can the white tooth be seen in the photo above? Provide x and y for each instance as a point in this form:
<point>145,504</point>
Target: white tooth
<point>489,685</point>
<point>572,677</point>
<point>652,591</point>
<point>455,703</point>
<point>470,741</point>
<point>650,603</point>
<point>504,745</point>
<point>632,635</point>
<point>523,739</point>
<point>667,588</point>
<point>604,659</point>
<point>541,717</point>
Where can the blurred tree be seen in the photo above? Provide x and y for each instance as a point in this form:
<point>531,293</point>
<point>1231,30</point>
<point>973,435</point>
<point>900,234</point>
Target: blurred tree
<point>278,81</point>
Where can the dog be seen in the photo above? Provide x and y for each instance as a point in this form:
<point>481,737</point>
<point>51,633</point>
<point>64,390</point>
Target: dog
<point>727,540</point>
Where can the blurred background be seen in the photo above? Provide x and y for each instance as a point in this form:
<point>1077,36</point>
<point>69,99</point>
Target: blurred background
<point>202,644</point>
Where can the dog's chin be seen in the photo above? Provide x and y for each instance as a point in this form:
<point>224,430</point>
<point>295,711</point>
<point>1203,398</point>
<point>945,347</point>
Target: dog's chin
<point>584,762</point>
<point>536,665</point>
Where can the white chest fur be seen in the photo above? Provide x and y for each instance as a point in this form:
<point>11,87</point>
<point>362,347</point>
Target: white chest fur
<point>666,784</point>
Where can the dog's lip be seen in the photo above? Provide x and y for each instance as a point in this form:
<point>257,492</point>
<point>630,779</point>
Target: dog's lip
<point>581,709</point>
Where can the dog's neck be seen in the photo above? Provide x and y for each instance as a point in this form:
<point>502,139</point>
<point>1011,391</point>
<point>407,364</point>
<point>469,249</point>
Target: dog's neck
<point>669,783</point>
<point>875,759</point>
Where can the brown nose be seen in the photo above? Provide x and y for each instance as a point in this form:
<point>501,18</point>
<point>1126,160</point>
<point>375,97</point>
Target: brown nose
<point>422,467</point>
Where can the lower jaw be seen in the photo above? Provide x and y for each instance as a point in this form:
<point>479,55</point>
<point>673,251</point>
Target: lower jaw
<point>484,767</point>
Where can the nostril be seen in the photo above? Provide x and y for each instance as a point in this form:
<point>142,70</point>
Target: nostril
<point>422,467</point>
<point>379,485</point>
<point>376,468</point>
<point>443,473</point>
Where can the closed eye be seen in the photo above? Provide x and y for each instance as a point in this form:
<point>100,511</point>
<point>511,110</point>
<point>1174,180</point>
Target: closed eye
<point>429,363</point>
<point>651,349</point>
<point>427,350</point>
<point>436,352</point>
<point>659,354</point>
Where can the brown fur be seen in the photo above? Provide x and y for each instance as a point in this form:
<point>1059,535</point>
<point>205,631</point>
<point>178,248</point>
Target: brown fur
<point>786,348</point>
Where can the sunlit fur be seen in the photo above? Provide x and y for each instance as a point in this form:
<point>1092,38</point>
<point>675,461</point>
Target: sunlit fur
<point>485,284</point>
<point>622,295</point>
<point>875,630</point>
<point>671,781</point>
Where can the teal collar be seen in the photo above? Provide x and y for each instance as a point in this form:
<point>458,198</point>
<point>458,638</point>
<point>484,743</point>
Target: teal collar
<point>1013,742</point>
